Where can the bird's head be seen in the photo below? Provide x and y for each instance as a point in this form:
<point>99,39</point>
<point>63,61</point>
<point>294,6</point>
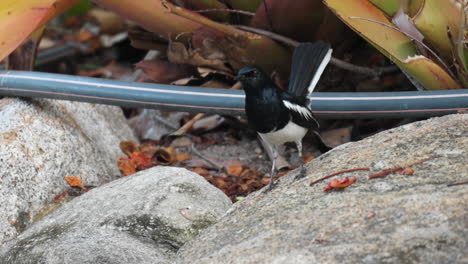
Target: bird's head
<point>252,77</point>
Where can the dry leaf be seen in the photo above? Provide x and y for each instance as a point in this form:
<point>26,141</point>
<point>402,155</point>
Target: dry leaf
<point>75,181</point>
<point>165,72</point>
<point>339,184</point>
<point>407,171</point>
<point>141,160</point>
<point>128,147</point>
<point>165,156</point>
<point>126,166</point>
<point>233,167</point>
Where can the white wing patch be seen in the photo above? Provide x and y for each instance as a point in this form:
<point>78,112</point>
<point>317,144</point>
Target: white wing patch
<point>304,111</point>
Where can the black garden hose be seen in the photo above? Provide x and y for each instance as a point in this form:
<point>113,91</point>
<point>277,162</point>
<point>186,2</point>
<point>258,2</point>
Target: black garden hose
<point>223,101</point>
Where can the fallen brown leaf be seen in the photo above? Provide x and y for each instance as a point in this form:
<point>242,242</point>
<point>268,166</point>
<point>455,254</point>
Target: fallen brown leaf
<point>165,156</point>
<point>126,166</point>
<point>407,171</point>
<point>75,181</point>
<point>339,184</point>
<point>128,147</point>
<point>233,167</point>
<point>141,160</point>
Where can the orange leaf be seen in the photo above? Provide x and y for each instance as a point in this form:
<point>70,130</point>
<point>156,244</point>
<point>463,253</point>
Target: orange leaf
<point>141,160</point>
<point>128,147</point>
<point>126,166</point>
<point>339,184</point>
<point>75,181</point>
<point>233,167</point>
<point>407,171</point>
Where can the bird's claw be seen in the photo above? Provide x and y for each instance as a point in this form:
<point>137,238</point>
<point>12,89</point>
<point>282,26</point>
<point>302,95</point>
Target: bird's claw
<point>270,187</point>
<point>301,174</point>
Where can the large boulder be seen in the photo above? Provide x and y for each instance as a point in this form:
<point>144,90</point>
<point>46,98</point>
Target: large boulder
<point>142,218</point>
<point>397,219</point>
<point>41,142</point>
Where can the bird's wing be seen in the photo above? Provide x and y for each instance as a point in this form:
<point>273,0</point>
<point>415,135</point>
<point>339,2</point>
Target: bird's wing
<point>299,112</point>
<point>308,63</point>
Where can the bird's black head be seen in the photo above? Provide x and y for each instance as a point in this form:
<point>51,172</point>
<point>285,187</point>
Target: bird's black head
<point>252,77</point>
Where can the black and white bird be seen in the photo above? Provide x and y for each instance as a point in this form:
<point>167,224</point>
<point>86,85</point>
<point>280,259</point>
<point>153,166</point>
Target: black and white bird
<point>283,116</point>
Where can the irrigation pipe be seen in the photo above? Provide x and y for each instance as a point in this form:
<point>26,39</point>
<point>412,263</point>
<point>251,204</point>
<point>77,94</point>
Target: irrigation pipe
<point>223,101</point>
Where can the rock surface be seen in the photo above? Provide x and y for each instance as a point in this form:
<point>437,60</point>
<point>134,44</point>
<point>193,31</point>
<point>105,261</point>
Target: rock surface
<point>397,219</point>
<point>143,218</point>
<point>41,142</point>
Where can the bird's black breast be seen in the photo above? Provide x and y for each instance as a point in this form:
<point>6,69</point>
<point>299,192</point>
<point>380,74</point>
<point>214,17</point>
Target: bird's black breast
<point>265,110</point>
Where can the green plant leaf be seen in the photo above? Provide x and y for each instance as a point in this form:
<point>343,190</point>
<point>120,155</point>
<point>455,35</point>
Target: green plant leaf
<point>389,7</point>
<point>369,22</point>
<point>432,21</point>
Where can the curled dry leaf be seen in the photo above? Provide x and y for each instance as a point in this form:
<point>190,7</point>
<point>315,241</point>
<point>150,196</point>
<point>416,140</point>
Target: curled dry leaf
<point>339,184</point>
<point>128,147</point>
<point>165,156</point>
<point>126,166</point>
<point>141,160</point>
<point>75,181</point>
<point>406,171</point>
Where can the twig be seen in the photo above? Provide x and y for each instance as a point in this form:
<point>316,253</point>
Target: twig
<point>337,173</point>
<point>214,164</point>
<point>457,183</point>
<point>247,13</point>
<point>272,35</point>
<point>226,29</point>
<point>182,130</point>
<point>335,61</point>
<point>386,172</point>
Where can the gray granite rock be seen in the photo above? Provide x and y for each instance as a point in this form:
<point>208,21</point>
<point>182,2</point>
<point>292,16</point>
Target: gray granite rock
<point>397,219</point>
<point>41,142</point>
<point>143,218</point>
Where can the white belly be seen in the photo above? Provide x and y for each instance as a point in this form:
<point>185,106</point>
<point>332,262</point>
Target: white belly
<point>290,133</point>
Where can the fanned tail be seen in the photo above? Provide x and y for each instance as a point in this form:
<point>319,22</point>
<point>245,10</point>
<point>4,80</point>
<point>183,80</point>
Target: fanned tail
<point>308,63</point>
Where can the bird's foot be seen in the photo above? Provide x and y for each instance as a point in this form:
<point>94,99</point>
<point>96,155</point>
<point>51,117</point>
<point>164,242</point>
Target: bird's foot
<point>302,173</point>
<point>270,186</point>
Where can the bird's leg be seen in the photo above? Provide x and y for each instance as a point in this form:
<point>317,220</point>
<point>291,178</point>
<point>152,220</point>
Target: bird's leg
<point>273,167</point>
<point>302,173</point>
